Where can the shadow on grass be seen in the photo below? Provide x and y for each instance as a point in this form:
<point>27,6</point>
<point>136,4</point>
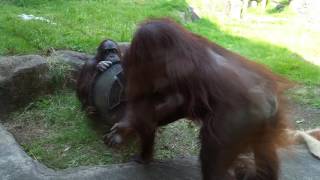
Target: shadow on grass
<point>27,3</point>
<point>279,59</point>
<point>281,6</point>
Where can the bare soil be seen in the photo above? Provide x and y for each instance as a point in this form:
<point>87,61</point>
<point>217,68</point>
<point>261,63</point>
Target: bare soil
<point>304,117</point>
<point>24,132</point>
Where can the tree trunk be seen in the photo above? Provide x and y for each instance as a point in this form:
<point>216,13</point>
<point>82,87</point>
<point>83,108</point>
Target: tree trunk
<point>264,4</point>
<point>245,5</point>
<point>235,8</point>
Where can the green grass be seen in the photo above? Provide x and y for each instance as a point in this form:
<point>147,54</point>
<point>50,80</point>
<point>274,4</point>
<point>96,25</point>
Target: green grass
<point>69,139</point>
<point>60,74</point>
<point>282,45</point>
<point>278,58</point>
<point>307,95</point>
<point>80,24</point>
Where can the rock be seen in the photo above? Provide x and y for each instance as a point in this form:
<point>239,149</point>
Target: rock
<point>15,164</point>
<point>22,78</point>
<point>75,61</point>
<point>73,58</point>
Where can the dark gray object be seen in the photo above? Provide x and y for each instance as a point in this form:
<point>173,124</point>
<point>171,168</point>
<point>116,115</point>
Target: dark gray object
<point>108,94</point>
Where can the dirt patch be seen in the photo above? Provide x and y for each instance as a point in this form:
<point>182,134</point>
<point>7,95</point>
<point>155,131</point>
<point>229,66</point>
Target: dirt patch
<point>304,117</point>
<point>304,107</point>
<point>25,132</point>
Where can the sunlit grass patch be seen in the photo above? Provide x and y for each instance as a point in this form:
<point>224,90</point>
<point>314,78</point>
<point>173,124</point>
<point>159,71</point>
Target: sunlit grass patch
<point>77,25</point>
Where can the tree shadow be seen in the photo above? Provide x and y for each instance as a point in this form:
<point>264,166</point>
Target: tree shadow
<point>279,59</point>
<point>280,7</point>
<point>25,3</point>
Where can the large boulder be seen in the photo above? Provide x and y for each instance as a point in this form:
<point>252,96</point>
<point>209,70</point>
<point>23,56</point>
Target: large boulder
<point>70,62</point>
<point>22,78</point>
<point>73,58</point>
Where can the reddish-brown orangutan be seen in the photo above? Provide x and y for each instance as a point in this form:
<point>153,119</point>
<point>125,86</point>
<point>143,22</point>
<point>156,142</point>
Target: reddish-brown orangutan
<point>108,53</point>
<point>172,73</point>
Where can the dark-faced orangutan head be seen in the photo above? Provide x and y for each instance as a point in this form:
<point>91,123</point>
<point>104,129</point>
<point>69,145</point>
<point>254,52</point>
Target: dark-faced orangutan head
<point>108,51</point>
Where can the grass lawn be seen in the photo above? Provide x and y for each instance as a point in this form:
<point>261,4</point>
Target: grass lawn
<point>57,131</point>
<point>79,24</point>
